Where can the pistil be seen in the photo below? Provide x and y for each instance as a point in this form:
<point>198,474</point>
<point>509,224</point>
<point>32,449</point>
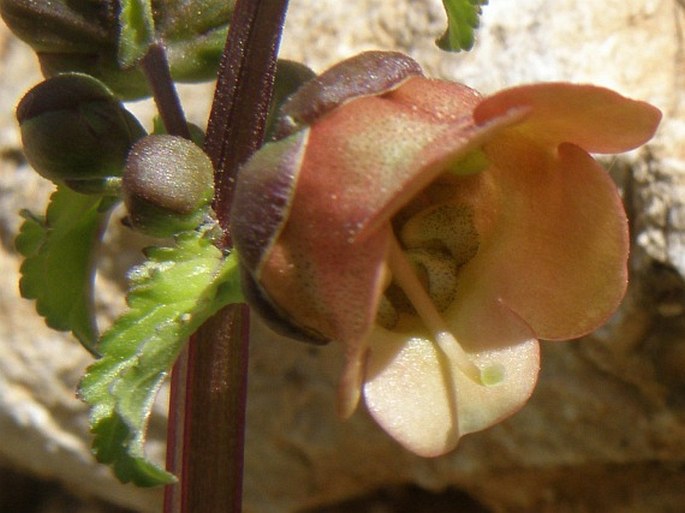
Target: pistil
<point>404,275</point>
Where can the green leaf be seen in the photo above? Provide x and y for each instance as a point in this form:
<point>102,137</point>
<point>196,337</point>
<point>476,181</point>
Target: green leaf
<point>462,20</point>
<point>137,31</point>
<point>58,269</point>
<point>170,296</point>
<point>194,33</point>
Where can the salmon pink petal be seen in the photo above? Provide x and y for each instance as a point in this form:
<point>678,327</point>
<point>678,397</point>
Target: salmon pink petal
<point>556,250</point>
<point>442,100</point>
<point>357,158</point>
<point>328,284</point>
<point>594,118</point>
<point>356,161</point>
<point>301,260</point>
<point>364,155</point>
<point>423,401</point>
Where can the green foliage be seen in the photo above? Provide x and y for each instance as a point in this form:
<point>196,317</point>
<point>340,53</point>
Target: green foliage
<point>462,20</point>
<point>59,252</point>
<point>170,296</point>
<point>137,28</point>
<point>197,134</point>
<point>61,26</point>
<point>107,38</point>
<point>193,33</point>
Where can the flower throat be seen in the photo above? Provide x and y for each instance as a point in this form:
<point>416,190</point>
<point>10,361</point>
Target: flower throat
<point>431,244</point>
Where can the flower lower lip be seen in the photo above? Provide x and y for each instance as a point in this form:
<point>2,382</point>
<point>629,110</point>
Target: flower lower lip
<point>404,276</point>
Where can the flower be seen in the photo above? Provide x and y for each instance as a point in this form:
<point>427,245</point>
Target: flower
<point>437,235</point>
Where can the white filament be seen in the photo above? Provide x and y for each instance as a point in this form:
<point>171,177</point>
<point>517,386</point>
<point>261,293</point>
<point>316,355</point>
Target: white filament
<point>405,277</point>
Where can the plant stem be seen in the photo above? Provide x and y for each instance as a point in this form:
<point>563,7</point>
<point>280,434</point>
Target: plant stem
<point>212,473</point>
<point>215,393</point>
<point>156,68</point>
<point>173,496</point>
<point>243,94</point>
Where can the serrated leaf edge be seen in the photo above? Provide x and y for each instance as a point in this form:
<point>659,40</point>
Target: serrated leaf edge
<point>102,395</point>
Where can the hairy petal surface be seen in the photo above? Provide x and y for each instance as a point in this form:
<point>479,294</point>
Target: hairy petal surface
<point>545,256</point>
<point>444,107</point>
<point>596,119</point>
<point>363,162</point>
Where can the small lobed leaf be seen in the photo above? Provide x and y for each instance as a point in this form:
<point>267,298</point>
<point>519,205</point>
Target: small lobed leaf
<point>170,296</point>
<point>462,20</point>
<point>59,267</point>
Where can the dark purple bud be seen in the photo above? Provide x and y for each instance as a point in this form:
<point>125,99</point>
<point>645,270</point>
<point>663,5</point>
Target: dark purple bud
<point>74,129</point>
<point>168,185</point>
<point>369,73</point>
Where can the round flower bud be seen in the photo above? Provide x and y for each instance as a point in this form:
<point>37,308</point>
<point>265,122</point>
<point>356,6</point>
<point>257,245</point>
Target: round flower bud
<point>168,185</point>
<point>75,130</point>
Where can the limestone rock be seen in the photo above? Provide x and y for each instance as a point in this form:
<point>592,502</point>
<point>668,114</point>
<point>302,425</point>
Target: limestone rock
<point>605,429</point>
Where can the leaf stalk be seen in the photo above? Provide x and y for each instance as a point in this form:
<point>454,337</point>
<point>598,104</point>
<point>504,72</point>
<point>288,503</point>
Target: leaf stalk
<point>156,68</point>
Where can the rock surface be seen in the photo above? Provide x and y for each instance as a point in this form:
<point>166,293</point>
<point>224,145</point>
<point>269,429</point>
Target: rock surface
<point>605,429</point>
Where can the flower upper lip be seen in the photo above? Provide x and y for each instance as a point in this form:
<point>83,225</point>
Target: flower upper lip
<point>435,158</point>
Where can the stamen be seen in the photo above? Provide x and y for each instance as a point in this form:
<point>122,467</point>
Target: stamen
<point>350,386</point>
<point>405,277</point>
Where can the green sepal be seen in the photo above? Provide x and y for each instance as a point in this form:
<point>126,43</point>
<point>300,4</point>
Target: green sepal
<point>197,134</point>
<point>170,296</point>
<point>59,265</point>
<point>62,26</point>
<point>193,33</point>
<point>137,31</point>
<point>462,20</point>
<point>473,162</point>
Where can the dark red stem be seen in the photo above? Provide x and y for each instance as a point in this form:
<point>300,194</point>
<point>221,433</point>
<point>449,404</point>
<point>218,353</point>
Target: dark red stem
<point>212,400</point>
<point>244,87</point>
